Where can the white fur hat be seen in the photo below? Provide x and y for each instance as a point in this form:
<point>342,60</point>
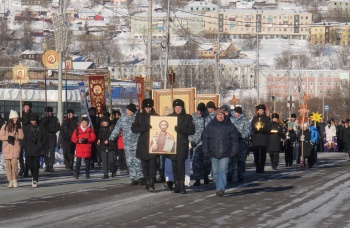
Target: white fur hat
<point>13,114</point>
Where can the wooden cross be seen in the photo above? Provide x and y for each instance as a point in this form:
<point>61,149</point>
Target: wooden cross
<point>303,110</point>
<point>234,101</point>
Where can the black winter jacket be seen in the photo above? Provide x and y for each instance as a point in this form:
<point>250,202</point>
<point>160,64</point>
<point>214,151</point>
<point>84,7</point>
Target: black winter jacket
<point>185,127</point>
<point>34,140</point>
<point>220,139</point>
<point>260,137</point>
<point>103,135</point>
<point>275,136</point>
<point>142,125</point>
<point>68,127</point>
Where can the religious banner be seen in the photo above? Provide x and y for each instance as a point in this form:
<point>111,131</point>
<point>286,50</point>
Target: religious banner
<point>81,87</point>
<point>97,92</point>
<point>140,90</point>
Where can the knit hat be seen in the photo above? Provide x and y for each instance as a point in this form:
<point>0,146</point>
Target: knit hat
<point>48,109</point>
<point>178,102</point>
<point>147,103</point>
<point>201,107</point>
<point>293,115</point>
<point>131,107</point>
<point>238,110</point>
<point>275,115</point>
<point>13,114</point>
<point>211,104</point>
<point>225,107</point>
<point>70,111</point>
<point>34,117</point>
<point>261,106</point>
<point>105,118</point>
<point>27,103</point>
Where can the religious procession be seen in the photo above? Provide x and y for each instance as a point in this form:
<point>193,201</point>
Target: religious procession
<point>167,142</point>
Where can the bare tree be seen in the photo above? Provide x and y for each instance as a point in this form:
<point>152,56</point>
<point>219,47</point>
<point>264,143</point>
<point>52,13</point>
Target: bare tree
<point>249,43</point>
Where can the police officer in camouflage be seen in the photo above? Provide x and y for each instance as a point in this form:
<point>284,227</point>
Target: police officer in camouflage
<point>243,126</point>
<point>200,165</point>
<point>51,126</point>
<point>130,143</point>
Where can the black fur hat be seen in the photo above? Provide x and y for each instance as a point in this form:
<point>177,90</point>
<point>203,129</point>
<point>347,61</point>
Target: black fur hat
<point>147,103</point>
<point>261,106</point>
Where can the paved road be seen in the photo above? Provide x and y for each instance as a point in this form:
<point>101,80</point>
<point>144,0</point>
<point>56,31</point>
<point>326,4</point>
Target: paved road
<point>317,197</point>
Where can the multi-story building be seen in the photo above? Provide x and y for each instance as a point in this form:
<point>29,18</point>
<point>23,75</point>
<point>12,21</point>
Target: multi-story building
<point>181,23</point>
<point>333,33</point>
<point>200,7</point>
<point>268,24</point>
<point>342,5</point>
<point>314,83</point>
<point>34,2</point>
<point>208,50</point>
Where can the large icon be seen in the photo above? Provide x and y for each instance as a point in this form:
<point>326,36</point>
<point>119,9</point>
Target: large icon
<point>20,73</point>
<point>51,59</point>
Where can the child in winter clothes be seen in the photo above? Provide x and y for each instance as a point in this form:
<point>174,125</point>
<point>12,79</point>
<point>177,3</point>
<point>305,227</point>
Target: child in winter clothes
<point>107,148</point>
<point>83,136</point>
<point>10,134</point>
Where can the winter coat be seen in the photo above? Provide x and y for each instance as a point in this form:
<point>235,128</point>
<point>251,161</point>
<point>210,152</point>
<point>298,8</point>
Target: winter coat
<point>345,134</point>
<point>83,150</point>
<point>260,132</point>
<point>142,125</point>
<point>322,129</point>
<point>330,132</point>
<point>275,136</point>
<point>51,126</point>
<point>34,140</point>
<point>307,145</point>
<point>200,123</point>
<point>243,126</point>
<point>220,139</point>
<point>10,151</point>
<point>68,127</point>
<point>103,135</point>
<point>185,127</point>
<point>129,138</point>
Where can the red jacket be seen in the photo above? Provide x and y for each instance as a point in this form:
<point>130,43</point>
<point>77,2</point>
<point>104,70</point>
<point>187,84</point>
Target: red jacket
<point>120,141</point>
<point>83,150</point>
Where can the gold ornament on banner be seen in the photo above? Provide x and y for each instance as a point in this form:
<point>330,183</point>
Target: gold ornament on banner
<point>51,59</point>
<point>316,117</point>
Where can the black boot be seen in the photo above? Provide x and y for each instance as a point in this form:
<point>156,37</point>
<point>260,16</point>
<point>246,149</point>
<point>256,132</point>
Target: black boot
<point>151,185</point>
<point>51,167</point>
<point>147,185</point>
<point>182,187</point>
<point>46,167</point>
<point>177,186</point>
<point>169,185</point>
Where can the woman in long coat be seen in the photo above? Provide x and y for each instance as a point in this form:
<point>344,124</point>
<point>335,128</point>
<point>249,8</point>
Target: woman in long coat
<point>10,134</point>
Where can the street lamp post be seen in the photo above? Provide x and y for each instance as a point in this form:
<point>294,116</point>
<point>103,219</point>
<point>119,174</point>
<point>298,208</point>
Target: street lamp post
<point>171,80</point>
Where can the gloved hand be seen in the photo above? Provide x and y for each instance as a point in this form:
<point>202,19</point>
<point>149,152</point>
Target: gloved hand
<point>11,140</point>
<point>83,141</point>
<point>193,144</point>
<point>206,155</point>
<point>232,156</point>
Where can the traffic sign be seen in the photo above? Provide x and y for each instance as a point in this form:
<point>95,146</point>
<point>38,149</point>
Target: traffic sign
<point>326,108</point>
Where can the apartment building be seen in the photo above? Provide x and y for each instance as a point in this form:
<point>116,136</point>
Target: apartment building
<point>314,83</point>
<point>269,24</point>
<point>343,5</point>
<point>330,32</point>
<point>181,22</point>
<point>200,7</point>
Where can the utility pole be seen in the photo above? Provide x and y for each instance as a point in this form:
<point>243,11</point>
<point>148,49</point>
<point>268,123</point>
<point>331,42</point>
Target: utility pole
<point>289,79</point>
<point>167,37</point>
<point>149,41</point>
<point>257,75</point>
<point>217,78</point>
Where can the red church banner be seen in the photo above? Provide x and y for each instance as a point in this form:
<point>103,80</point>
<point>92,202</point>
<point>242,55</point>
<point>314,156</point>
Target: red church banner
<point>97,92</point>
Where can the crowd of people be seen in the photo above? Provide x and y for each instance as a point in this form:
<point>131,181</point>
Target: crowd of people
<point>217,140</point>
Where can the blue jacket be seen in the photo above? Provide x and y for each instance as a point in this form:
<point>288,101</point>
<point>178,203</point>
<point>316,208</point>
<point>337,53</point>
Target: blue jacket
<point>220,139</point>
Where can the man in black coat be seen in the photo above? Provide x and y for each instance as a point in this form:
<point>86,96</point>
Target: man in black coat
<point>26,113</point>
<point>184,128</point>
<point>321,127</point>
<point>142,125</point>
<point>68,126</point>
<point>34,140</point>
<point>51,126</point>
<point>275,136</point>
<point>261,126</point>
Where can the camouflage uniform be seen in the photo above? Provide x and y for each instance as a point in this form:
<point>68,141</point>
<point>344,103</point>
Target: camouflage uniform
<point>130,144</point>
<point>243,126</point>
<point>199,164</point>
